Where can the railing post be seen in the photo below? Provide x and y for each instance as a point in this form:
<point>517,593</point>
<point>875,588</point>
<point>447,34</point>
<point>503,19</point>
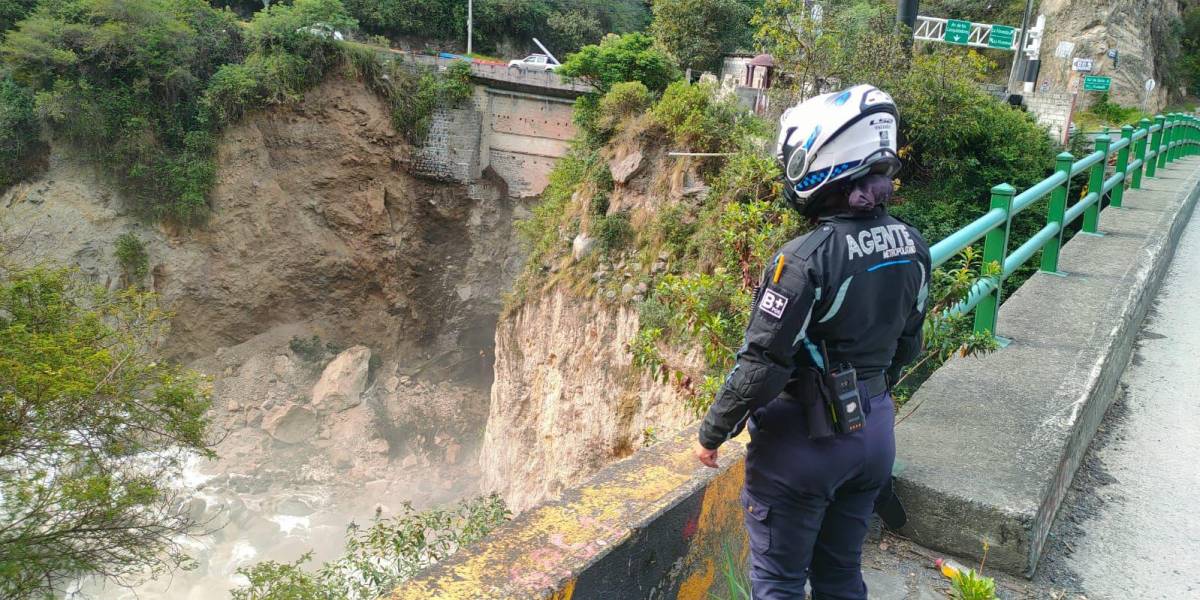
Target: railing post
<point>1163,139</point>
<point>1155,144</point>
<point>1183,133</point>
<point>1177,137</point>
<point>1091,214</point>
<point>1168,137</point>
<point>995,248</point>
<point>1057,212</point>
<point>1118,193</point>
<point>1140,154</point>
<point>1193,135</point>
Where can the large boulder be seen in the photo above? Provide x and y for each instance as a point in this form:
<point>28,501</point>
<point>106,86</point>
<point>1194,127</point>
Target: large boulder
<point>290,423</point>
<point>582,246</point>
<point>343,381</point>
<point>626,167</point>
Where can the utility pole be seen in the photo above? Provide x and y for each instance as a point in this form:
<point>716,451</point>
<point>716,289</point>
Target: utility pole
<point>906,13</point>
<point>470,24</point>
<point>1018,65</point>
<point>906,20</point>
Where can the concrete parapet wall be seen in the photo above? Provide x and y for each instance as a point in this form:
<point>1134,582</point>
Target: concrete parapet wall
<point>996,441</point>
<point>655,525</point>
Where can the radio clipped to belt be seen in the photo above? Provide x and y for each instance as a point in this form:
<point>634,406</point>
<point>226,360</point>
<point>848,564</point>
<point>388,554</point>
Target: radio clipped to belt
<point>831,400</point>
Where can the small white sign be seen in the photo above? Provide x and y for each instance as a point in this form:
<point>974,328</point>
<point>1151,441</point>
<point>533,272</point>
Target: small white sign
<point>1150,83</point>
<point>1065,49</point>
<point>1082,64</point>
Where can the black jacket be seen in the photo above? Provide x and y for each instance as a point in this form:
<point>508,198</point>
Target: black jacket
<point>858,284</point>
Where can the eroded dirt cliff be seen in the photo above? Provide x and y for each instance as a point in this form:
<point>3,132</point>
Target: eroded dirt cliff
<point>317,229</point>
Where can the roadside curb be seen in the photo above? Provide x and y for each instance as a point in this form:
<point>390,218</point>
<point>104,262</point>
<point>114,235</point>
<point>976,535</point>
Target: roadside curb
<point>997,439</point>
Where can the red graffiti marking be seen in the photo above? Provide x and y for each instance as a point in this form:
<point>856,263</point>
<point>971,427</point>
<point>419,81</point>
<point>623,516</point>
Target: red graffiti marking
<point>689,528</point>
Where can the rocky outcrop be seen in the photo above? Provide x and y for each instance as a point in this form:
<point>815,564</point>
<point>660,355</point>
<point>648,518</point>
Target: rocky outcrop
<point>567,399</point>
<point>1139,30</point>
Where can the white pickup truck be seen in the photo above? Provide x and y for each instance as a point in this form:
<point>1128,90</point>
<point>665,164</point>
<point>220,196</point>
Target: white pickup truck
<point>533,62</point>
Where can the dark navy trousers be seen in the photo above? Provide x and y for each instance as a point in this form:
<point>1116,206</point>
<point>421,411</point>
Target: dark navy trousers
<point>807,504</point>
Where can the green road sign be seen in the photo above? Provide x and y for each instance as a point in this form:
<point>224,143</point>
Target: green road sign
<point>1096,83</point>
<point>957,32</point>
<point>1001,37</point>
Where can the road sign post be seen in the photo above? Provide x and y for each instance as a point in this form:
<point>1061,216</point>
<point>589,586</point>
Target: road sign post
<point>957,32</point>
<point>1097,83</point>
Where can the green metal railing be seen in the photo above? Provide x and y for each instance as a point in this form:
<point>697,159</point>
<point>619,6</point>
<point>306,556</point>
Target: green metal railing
<point>1140,152</point>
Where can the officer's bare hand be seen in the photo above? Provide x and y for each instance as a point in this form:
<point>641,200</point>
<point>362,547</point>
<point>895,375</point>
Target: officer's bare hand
<point>706,457</point>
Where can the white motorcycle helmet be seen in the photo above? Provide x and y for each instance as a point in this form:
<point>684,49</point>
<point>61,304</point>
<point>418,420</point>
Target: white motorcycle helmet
<point>835,138</point>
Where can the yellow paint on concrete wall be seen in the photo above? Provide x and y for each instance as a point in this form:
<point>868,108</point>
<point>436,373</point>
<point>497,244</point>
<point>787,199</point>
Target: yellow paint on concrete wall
<point>540,555</point>
<point>565,593</point>
<point>697,585</point>
<point>718,530</point>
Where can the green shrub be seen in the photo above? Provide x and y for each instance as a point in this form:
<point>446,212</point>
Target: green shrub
<point>122,81</point>
<point>599,204</point>
<point>621,58</point>
<point>970,585</point>
<point>699,121</point>
<point>20,146</point>
<point>1112,113</point>
<point>142,87</point>
<point>132,257</point>
<point>311,350</point>
<point>1189,59</point>
<point>613,232</point>
<point>624,100</point>
<point>12,11</point>
<point>99,426</point>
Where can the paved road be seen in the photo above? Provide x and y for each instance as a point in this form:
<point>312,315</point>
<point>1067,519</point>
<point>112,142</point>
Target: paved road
<point>1143,540</point>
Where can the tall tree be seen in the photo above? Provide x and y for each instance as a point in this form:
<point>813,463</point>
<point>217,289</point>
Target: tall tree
<point>699,32</point>
<point>93,429</point>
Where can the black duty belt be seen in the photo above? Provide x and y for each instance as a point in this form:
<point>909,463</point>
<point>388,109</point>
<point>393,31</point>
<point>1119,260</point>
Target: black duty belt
<point>873,387</point>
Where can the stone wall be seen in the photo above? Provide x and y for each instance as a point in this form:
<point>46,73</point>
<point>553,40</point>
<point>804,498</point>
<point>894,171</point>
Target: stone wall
<point>451,150</point>
<point>1052,110</point>
<point>520,136</point>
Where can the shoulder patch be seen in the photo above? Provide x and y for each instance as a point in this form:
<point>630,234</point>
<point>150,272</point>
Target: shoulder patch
<point>773,303</point>
<point>812,241</point>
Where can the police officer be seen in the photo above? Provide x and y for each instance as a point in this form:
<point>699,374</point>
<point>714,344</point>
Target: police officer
<point>837,315</point>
